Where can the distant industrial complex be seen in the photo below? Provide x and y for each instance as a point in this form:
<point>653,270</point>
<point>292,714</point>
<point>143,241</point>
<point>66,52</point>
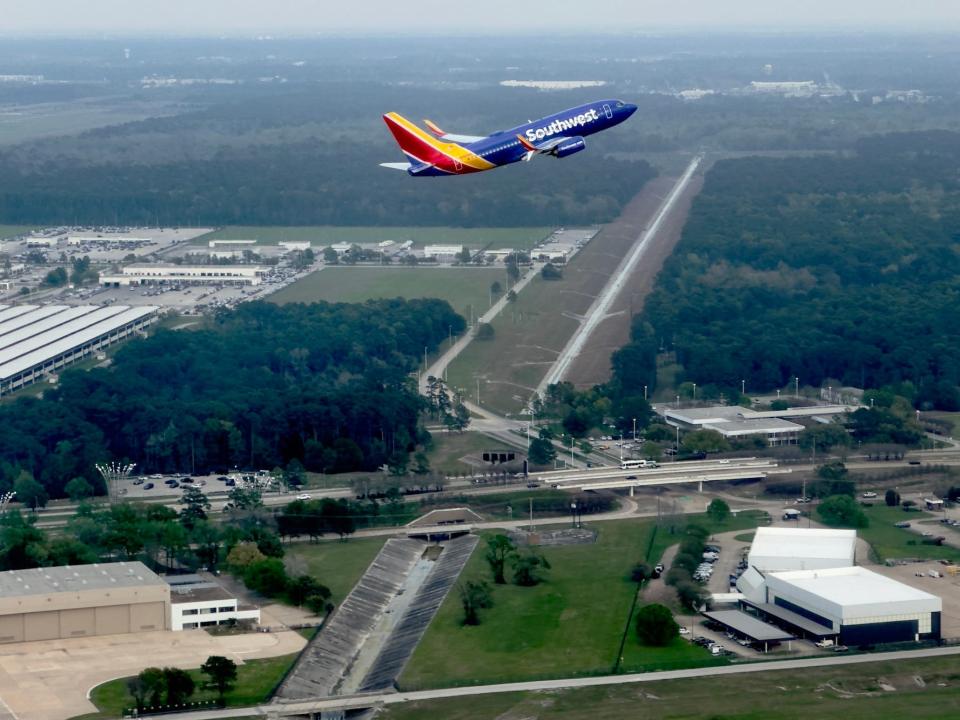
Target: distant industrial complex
<point>37,341</point>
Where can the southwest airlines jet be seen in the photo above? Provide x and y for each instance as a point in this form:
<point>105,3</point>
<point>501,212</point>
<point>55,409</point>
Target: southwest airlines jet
<point>447,154</point>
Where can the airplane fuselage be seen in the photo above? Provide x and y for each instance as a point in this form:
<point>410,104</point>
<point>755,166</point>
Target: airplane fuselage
<point>560,134</point>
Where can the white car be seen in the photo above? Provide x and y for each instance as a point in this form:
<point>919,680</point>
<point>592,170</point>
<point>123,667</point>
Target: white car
<point>304,496</point>
<point>869,494</point>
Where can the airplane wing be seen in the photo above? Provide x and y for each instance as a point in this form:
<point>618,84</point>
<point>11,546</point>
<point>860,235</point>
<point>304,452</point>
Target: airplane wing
<point>547,146</point>
<point>450,137</point>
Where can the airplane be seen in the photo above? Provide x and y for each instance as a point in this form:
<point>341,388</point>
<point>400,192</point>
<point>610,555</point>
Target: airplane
<point>559,135</point>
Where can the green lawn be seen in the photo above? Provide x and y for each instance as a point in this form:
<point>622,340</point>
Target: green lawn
<point>569,625</point>
<point>7,231</point>
<point>448,448</point>
<point>520,238</point>
<point>889,541</point>
<point>466,289</point>
<point>256,681</point>
<point>835,693</point>
<point>338,565</point>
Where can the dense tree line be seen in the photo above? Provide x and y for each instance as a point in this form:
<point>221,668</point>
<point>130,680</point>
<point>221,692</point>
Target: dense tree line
<point>822,268</point>
<point>327,386</point>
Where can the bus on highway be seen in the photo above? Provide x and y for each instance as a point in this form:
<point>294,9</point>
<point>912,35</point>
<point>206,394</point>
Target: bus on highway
<point>633,464</point>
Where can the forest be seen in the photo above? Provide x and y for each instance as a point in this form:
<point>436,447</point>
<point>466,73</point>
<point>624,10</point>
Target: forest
<point>325,384</point>
<point>842,269</point>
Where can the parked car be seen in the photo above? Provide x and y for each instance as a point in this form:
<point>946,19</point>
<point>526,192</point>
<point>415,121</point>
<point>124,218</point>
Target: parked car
<point>902,524</point>
<point>869,494</point>
<point>304,496</point>
<point>148,486</point>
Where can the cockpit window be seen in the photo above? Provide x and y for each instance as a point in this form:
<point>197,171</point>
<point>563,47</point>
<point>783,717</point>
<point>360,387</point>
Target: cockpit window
<point>619,104</point>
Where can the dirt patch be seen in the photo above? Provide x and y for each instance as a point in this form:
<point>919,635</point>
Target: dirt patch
<point>593,365</point>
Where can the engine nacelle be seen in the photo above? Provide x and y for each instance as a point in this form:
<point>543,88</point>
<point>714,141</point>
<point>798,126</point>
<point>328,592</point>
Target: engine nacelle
<point>569,147</point>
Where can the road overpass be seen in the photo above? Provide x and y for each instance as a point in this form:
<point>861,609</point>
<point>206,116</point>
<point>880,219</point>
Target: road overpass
<point>605,478</point>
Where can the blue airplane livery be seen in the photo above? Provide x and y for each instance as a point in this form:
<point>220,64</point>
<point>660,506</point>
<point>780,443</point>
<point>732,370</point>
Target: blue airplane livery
<point>448,154</point>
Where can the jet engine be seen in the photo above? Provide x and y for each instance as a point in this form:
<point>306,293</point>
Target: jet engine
<point>570,146</point>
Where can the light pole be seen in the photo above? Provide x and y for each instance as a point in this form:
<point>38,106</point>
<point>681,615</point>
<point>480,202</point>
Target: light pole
<point>478,391</point>
<point>571,451</point>
<point>796,380</point>
<point>743,387</point>
<point>635,427</point>
<point>678,402</point>
<point>694,392</point>
<point>621,448</point>
<point>573,514</point>
<point>677,447</point>
<point>644,392</point>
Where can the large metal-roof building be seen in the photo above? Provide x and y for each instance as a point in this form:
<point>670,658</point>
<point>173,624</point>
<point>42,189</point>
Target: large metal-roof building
<point>82,600</point>
<point>805,581</point>
<point>781,548</point>
<point>38,340</point>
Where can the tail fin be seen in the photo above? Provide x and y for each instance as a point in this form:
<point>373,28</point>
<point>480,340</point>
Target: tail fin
<point>415,143</point>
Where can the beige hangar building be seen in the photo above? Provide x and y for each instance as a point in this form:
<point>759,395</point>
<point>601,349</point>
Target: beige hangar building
<point>82,600</point>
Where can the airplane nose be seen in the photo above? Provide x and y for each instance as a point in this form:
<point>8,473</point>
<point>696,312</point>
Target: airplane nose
<point>628,110</point>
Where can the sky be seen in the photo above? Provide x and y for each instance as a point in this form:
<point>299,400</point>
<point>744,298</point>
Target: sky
<point>307,17</point>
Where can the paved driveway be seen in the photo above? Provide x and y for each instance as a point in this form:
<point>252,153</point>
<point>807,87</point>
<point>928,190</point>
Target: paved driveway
<point>50,679</point>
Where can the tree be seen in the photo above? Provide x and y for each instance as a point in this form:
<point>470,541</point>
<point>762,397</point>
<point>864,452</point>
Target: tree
<point>154,684</point>
<point>499,549</point>
<point>641,571</point>
<point>222,672</point>
<point>267,577</point>
<point>305,586</point>
<point>842,510</point>
<point>29,492</point>
<point>195,506</point>
<point>56,278</point>
<point>330,256</point>
<point>179,685</point>
<point>511,296</point>
<point>718,510</point>
<point>243,555</point>
<point>706,441</point>
<point>542,452</point>
<point>496,288</point>
<point>484,331</point>
<point>318,603</point>
<point>551,272</point>
<point>528,568</point>
<point>891,498</point>
<point>474,596</point>
<point>138,692</point>
<point>656,626</point>
<point>464,255</point>
<point>78,489</point>
<point>244,498</point>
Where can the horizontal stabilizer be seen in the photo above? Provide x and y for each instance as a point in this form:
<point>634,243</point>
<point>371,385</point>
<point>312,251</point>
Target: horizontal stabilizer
<point>396,166</point>
<point>451,137</point>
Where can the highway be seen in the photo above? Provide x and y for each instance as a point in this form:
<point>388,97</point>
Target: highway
<point>278,710</point>
<point>598,310</point>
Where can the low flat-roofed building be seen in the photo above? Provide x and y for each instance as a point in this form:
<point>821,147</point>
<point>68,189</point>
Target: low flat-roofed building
<point>438,251</point>
<point>82,600</point>
<point>185,275</point>
<point>860,606</point>
<point>780,548</point>
<point>298,245</point>
<point>196,603</point>
<point>228,244</point>
<point>733,421</point>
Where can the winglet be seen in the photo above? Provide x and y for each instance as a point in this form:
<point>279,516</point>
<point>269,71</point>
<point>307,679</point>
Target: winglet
<point>433,128</point>
<point>526,143</point>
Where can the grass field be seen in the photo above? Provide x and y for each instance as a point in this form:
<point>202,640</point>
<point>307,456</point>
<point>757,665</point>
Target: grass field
<point>338,565</point>
<point>567,626</point>
<point>448,448</point>
<point>888,541</point>
<point>528,336</point>
<point>463,288</point>
<point>837,693</point>
<point>7,231</point>
<point>256,681</point>
<point>520,238</point>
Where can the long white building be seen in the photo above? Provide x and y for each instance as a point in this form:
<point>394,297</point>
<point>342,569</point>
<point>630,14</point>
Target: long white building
<point>185,275</point>
<point>36,341</point>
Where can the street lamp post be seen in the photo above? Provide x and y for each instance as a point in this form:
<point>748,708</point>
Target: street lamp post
<point>644,392</point>
<point>694,392</point>
<point>678,402</point>
<point>796,380</point>
<point>743,387</point>
<point>573,513</point>
<point>635,427</point>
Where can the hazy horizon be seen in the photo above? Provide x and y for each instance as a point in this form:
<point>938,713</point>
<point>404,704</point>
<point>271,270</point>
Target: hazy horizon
<point>299,18</point>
